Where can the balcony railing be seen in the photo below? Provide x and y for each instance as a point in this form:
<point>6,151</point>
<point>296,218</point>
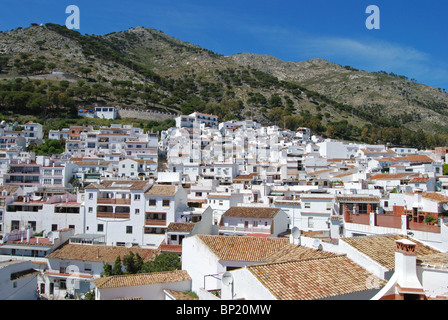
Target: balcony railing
<point>155,222</point>
<point>113,215</point>
<point>265,230</point>
<point>113,201</point>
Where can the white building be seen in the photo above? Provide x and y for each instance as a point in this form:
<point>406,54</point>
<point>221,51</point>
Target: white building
<point>163,204</point>
<point>74,267</point>
<point>142,286</point>
<point>18,280</point>
<point>254,221</point>
<point>106,112</point>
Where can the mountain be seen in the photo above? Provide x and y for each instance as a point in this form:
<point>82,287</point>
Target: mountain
<point>381,94</point>
<point>146,68</point>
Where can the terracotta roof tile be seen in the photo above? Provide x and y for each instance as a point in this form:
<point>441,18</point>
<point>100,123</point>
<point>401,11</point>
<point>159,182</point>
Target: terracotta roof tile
<point>179,295</point>
<point>313,279</point>
<point>141,279</point>
<point>392,176</point>
<point>100,253</point>
<point>243,248</point>
<point>435,196</point>
<point>436,260</point>
<point>162,190</point>
<point>119,184</point>
<point>382,248</point>
<point>178,226</point>
<point>292,252</point>
<point>252,212</point>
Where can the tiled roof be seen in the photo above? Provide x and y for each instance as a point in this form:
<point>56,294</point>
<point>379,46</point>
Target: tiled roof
<point>99,253</point>
<point>119,184</point>
<point>419,180</point>
<point>313,279</point>
<point>161,190</point>
<point>292,252</point>
<point>141,279</point>
<point>250,176</point>
<point>357,198</point>
<point>392,176</point>
<point>436,260</point>
<point>435,196</point>
<point>178,226</point>
<point>251,212</point>
<point>415,158</point>
<point>179,295</point>
<point>236,248</point>
<point>381,248</point>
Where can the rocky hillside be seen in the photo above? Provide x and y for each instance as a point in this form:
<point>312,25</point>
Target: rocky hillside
<point>381,94</point>
<point>147,69</point>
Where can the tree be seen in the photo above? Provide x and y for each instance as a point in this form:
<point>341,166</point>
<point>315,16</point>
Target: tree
<point>117,269</point>
<point>49,147</point>
<point>85,71</point>
<point>163,262</point>
<point>107,269</point>
<point>133,263</point>
<point>3,62</point>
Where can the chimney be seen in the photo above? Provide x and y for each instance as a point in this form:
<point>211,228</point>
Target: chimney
<point>417,198</point>
<point>406,268</point>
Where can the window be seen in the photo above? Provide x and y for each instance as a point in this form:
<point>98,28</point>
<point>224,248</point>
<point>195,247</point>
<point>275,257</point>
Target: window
<point>32,225</point>
<point>329,205</point>
<point>166,203</point>
<point>15,224</point>
<point>152,202</point>
<point>54,227</point>
<point>90,196</point>
<point>310,222</point>
<point>63,284</point>
<point>136,197</point>
<point>129,229</point>
<point>307,205</point>
<point>100,228</point>
<point>90,209</point>
<point>137,211</point>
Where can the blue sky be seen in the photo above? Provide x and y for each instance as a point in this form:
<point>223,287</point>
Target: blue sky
<point>412,39</point>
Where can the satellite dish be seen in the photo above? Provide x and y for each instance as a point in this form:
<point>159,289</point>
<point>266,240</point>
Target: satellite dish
<point>295,233</point>
<point>316,243</point>
<point>227,278</point>
<point>128,245</point>
<point>445,206</point>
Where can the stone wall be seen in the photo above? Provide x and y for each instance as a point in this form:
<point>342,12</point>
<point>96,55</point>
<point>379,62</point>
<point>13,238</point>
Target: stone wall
<point>145,114</point>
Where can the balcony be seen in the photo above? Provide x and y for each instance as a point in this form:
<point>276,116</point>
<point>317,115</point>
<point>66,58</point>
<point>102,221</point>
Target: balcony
<point>113,215</point>
<point>244,230</point>
<point>155,222</point>
<point>114,201</point>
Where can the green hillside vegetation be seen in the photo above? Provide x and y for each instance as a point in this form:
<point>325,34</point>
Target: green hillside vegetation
<point>146,69</point>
